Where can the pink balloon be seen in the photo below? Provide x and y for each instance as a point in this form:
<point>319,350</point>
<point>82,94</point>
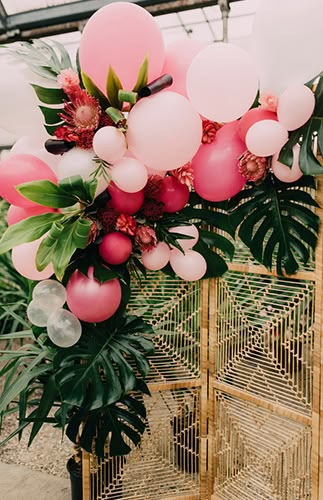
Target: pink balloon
<point>253,116</point>
<point>173,194</point>
<point>178,57</point>
<point>35,145</point>
<point>16,214</point>
<point>295,106</point>
<point>266,137</point>
<point>91,301</point>
<point>283,172</point>
<point>188,231</point>
<point>157,258</point>
<point>115,248</point>
<point>216,174</point>
<point>120,35</point>
<point>24,261</point>
<point>125,203</point>
<point>222,82</point>
<point>109,143</point>
<point>164,131</point>
<point>130,175</point>
<point>190,266</point>
<point>18,169</point>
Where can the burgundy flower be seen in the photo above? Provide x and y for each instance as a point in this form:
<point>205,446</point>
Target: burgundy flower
<point>209,131</point>
<point>252,167</point>
<point>152,209</point>
<point>184,174</point>
<point>126,224</point>
<point>145,238</point>
<point>107,218</point>
<point>153,187</point>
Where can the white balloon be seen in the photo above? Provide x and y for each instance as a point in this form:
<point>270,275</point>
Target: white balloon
<point>50,294</point>
<point>77,161</point>
<point>38,314</point>
<point>63,328</point>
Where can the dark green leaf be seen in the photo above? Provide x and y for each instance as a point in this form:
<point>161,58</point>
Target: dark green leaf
<point>51,115</point>
<point>94,91</point>
<point>49,95</point>
<point>113,87</point>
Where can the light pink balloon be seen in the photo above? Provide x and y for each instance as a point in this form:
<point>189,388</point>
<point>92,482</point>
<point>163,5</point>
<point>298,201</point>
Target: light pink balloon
<point>295,106</point>
<point>188,231</point>
<point>190,266</point>
<point>157,258</point>
<point>222,82</point>
<point>120,35</point>
<point>266,137</point>
<point>130,175</point>
<point>16,214</point>
<point>216,174</point>
<point>283,172</point>
<point>24,261</point>
<point>178,57</point>
<point>109,143</point>
<point>164,131</point>
<point>18,169</point>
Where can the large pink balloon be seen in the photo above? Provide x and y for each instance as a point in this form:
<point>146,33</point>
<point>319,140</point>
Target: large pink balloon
<point>16,214</point>
<point>190,266</point>
<point>91,301</point>
<point>179,55</point>
<point>164,131</point>
<point>120,35</point>
<point>18,169</point>
<point>216,174</point>
<point>222,82</point>
<point>24,261</point>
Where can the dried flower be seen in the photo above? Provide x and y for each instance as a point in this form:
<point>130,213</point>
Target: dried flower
<point>252,167</point>
<point>107,218</point>
<point>94,231</point>
<point>153,187</point>
<point>69,81</point>
<point>145,238</point>
<point>184,174</point>
<point>126,224</point>
<point>82,113</point>
<point>152,209</point>
<point>106,121</point>
<point>268,101</point>
<point>209,131</point>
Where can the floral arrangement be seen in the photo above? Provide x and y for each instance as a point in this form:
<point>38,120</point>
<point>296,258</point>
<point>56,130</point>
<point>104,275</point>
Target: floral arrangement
<point>141,172</point>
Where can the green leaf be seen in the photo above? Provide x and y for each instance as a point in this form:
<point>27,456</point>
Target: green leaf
<point>218,241</point>
<point>142,79</point>
<point>113,87</point>
<point>94,91</point>
<point>47,400</point>
<point>49,95</point>
<point>47,193</point>
<point>51,115</point>
<point>84,191</point>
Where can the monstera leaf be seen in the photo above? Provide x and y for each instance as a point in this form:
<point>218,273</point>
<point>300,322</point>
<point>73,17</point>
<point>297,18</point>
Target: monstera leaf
<point>277,222</point>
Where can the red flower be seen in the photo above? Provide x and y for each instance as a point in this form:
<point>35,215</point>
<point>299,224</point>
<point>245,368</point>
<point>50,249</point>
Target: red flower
<point>152,209</point>
<point>184,174</point>
<point>145,238</point>
<point>107,218</point>
<point>209,131</point>
<point>94,231</point>
<point>126,224</point>
<point>153,187</point>
<point>252,167</point>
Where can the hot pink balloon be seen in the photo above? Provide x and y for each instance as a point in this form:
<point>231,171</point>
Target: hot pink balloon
<point>130,175</point>
<point>216,174</point>
<point>16,214</point>
<point>91,301</point>
<point>126,203</point>
<point>190,266</point>
<point>120,35</point>
<point>164,131</point>
<point>295,106</point>
<point>157,258</point>
<point>24,261</point>
<point>253,116</point>
<point>18,169</point>
<point>266,137</point>
<point>178,57</point>
<point>190,230</point>
<point>173,194</point>
<point>222,82</point>
<point>115,248</point>
<point>283,172</point>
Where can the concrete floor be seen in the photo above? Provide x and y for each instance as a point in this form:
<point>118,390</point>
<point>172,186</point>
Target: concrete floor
<point>20,483</point>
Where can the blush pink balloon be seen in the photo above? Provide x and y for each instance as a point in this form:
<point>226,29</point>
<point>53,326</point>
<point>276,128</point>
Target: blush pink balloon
<point>130,175</point>
<point>16,214</point>
<point>115,248</point>
<point>164,131</point>
<point>126,203</point>
<point>120,35</point>
<point>216,174</point>
<point>253,116</point>
<point>295,106</point>
<point>190,266</point>
<point>24,261</point>
<point>157,258</point>
<point>283,172</point>
<point>91,301</point>
<point>266,137</point>
<point>109,143</point>
<point>191,230</point>
<point>173,194</point>
<point>178,57</point>
<point>18,169</point>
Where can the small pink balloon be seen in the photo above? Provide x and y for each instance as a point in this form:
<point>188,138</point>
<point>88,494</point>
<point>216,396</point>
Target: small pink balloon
<point>295,106</point>
<point>283,172</point>
<point>216,174</point>
<point>190,266</point>
<point>266,138</point>
<point>115,248</point>
<point>173,194</point>
<point>130,175</point>
<point>19,169</point>
<point>178,57</point>
<point>253,116</point>
<point>141,37</point>
<point>91,301</point>
<point>126,203</point>
<point>24,261</point>
<point>109,143</point>
<point>164,131</point>
<point>16,214</point>
<point>157,258</point>
<point>191,230</point>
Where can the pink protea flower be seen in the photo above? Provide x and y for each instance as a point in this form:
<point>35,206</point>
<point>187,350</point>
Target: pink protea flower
<point>269,101</point>
<point>252,167</point>
<point>69,81</point>
<point>209,131</point>
<point>126,224</point>
<point>184,174</point>
<point>82,113</point>
<point>145,238</point>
